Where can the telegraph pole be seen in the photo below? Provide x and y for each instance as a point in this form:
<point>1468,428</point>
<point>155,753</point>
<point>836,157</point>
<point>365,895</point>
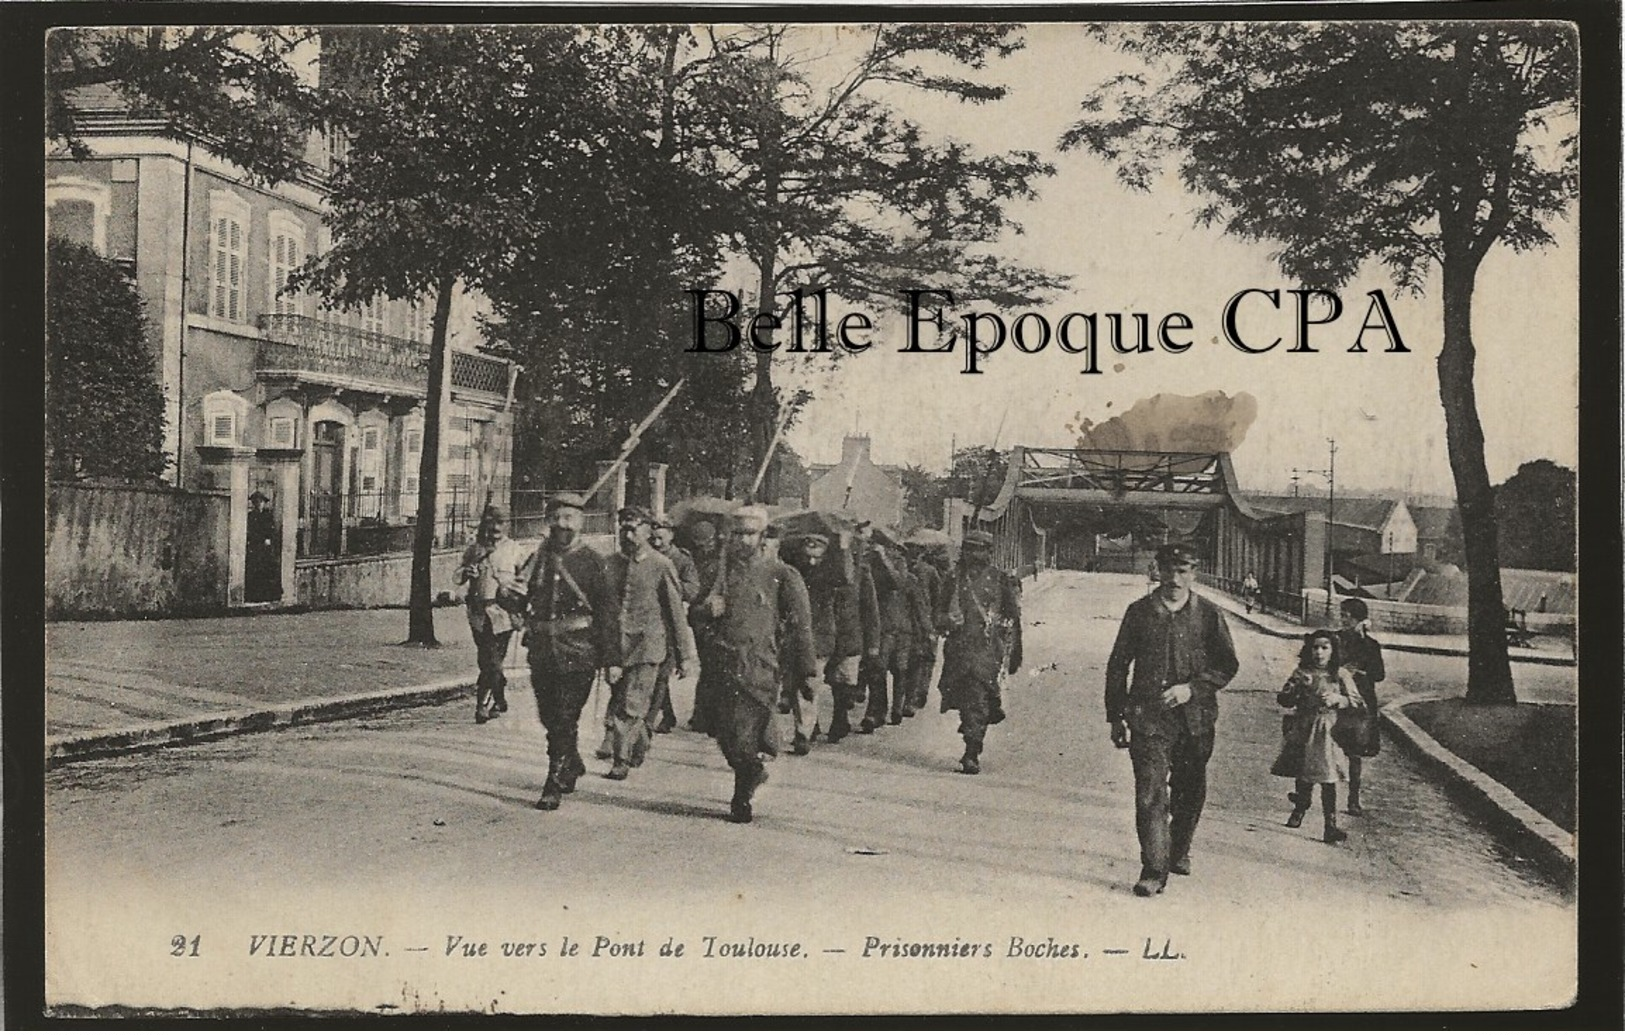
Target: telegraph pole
<point>1329,472</point>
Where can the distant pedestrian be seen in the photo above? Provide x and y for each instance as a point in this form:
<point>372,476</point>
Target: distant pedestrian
<point>982,613</point>
<point>492,566</point>
<point>1249,591</point>
<point>1361,657</point>
<point>650,631</point>
<point>764,642</point>
<point>1317,691</point>
<point>929,579</point>
<point>568,636</point>
<point>1181,654</point>
<point>263,561</point>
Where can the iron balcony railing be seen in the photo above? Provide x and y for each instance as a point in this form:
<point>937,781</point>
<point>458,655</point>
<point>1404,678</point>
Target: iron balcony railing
<point>316,350</point>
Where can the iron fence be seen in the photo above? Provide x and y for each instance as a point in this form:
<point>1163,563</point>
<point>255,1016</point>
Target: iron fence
<point>360,524</point>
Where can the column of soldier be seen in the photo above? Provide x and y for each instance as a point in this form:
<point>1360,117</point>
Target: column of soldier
<point>799,627</point>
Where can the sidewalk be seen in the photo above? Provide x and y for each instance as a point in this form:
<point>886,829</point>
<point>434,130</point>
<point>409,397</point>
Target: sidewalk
<point>117,686</point>
<point>1415,643</point>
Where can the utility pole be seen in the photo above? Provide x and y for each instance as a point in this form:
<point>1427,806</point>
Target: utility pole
<point>1329,472</point>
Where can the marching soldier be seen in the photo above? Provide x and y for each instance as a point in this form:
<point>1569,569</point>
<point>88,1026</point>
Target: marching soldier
<point>983,617</point>
<point>662,718</point>
<point>651,633</point>
<point>837,640</point>
<point>492,568</point>
<point>870,667</point>
<point>570,607</point>
<point>707,564</point>
<point>762,621</point>
<point>929,581</point>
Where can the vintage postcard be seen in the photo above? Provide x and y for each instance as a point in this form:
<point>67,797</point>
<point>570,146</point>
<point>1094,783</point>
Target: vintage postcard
<point>815,518</point>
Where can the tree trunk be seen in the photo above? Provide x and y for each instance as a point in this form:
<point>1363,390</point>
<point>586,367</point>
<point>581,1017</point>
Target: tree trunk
<point>764,400</point>
<point>1489,670</point>
<point>420,614</point>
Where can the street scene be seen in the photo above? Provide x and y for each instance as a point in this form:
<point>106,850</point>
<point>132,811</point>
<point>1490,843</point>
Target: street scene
<point>812,519</point>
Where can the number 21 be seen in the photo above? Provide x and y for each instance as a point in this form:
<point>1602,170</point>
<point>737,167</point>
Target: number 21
<point>178,944</point>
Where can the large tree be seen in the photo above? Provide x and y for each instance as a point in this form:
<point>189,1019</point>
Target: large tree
<point>1421,145</point>
<point>835,187</point>
<point>596,309</point>
<point>105,413</point>
<point>249,93</point>
<point>1534,510</point>
<point>454,135</point>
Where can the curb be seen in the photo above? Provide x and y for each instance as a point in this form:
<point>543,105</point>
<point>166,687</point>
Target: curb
<point>1549,844</point>
<point>1403,648</point>
<point>197,729</point>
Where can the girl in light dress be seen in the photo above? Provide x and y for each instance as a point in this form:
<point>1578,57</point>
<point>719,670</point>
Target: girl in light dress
<point>1316,691</point>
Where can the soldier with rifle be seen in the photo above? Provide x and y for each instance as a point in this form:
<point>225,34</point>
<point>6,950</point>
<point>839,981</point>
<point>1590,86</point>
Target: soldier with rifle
<point>983,617</point>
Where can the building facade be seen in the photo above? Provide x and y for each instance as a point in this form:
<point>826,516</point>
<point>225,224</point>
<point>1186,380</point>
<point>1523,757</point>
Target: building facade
<point>319,410</point>
<point>858,486</point>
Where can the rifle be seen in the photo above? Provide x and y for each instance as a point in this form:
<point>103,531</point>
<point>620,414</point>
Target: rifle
<point>635,437</point>
<point>767,457</point>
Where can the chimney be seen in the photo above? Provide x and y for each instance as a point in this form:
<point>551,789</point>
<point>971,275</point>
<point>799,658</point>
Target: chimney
<point>855,449</point>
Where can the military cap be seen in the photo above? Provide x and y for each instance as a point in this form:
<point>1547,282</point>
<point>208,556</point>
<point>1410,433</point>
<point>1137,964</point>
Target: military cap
<point>258,495</point>
<point>1356,608</point>
<point>813,537</point>
<point>976,538</point>
<point>662,521</point>
<point>635,513</point>
<point>753,517</point>
<point>1176,553</point>
<point>568,499</point>
<point>494,512</point>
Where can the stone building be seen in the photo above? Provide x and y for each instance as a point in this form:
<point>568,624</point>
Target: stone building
<point>320,410</point>
<point>857,485</point>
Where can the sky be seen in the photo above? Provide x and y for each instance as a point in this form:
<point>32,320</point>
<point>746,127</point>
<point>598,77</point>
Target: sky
<point>1142,252</point>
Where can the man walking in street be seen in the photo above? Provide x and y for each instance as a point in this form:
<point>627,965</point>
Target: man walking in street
<point>924,662</point>
<point>982,613</point>
<point>708,566</point>
<point>650,623</point>
<point>492,566</point>
<point>1181,654</point>
<point>662,717</point>
<point>570,620</point>
<point>837,640</point>
<point>763,622</point>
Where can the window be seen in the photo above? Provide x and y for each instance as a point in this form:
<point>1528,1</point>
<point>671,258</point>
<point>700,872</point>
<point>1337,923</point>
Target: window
<point>420,320</point>
<point>369,439</point>
<point>222,429</point>
<point>372,315</point>
<point>228,247</point>
<point>281,432</point>
<point>286,253</point>
<point>414,441</point>
<point>76,208</point>
<point>223,414</point>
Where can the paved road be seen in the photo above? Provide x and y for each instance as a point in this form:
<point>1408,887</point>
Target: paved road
<point>417,827</point>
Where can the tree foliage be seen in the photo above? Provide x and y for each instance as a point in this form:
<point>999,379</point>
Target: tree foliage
<point>834,187</point>
<point>1534,510</point>
<point>238,89</point>
<point>1420,145</point>
<point>105,411</point>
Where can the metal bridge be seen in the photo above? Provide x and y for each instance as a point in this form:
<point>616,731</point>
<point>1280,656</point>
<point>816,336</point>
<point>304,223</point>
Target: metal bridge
<point>1285,551</point>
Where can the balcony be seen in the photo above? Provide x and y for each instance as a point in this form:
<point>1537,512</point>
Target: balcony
<point>319,352</point>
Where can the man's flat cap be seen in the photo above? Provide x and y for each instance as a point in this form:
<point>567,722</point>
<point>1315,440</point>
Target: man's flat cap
<point>635,513</point>
<point>1177,553</point>
<point>568,499</point>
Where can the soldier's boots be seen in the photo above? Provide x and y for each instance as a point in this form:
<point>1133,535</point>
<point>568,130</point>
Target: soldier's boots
<point>570,769</point>
<point>552,790</point>
<point>746,781</point>
<point>995,708</point>
<point>483,709</point>
<point>971,763</point>
<point>840,725</point>
<point>499,702</point>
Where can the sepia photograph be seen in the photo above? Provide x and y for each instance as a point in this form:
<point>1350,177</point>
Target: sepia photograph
<point>635,517</point>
